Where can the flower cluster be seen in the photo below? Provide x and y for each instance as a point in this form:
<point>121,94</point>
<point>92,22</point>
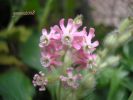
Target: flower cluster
<point>67,37</point>
<point>40,80</point>
<point>71,80</point>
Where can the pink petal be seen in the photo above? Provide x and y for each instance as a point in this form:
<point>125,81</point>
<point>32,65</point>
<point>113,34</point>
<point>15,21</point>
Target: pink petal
<point>91,32</point>
<point>69,72</point>
<point>69,24</point>
<point>57,29</point>
<point>90,35</point>
<point>62,24</point>
<point>63,78</point>
<point>81,33</point>
<point>95,44</point>
<point>44,31</point>
<point>76,46</point>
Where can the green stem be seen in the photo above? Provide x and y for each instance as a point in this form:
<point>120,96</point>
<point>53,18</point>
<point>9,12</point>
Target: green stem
<point>60,95</point>
<point>12,22</point>
<point>46,12</point>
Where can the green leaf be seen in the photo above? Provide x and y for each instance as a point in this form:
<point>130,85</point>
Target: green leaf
<point>117,78</point>
<point>4,47</point>
<point>19,33</point>
<point>131,96</point>
<point>32,5</point>
<point>125,24</point>
<point>69,7</point>
<point>9,60</point>
<point>14,85</point>
<point>30,52</point>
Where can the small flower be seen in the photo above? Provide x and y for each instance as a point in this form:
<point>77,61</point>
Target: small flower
<point>83,60</point>
<point>40,80</point>
<point>70,32</point>
<point>45,61</point>
<point>71,80</point>
<point>46,37</point>
<point>50,59</point>
<point>88,45</point>
<point>91,61</point>
<point>78,39</point>
<point>67,36</point>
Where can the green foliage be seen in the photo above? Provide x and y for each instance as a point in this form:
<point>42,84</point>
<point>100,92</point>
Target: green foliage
<point>14,85</point>
<point>30,52</point>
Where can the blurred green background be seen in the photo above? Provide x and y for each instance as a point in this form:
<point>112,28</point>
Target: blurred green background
<point>20,54</point>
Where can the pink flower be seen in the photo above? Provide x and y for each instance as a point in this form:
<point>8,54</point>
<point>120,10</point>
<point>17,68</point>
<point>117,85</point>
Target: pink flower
<point>54,46</point>
<point>62,42</point>
<point>88,45</point>
<point>70,33</point>
<point>78,39</point>
<point>71,80</point>
<point>83,60</point>
<point>50,60</point>
<point>40,80</point>
<point>46,37</point>
<point>80,58</point>
<point>91,61</point>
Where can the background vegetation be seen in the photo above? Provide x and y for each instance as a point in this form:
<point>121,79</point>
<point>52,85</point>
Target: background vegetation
<point>20,54</point>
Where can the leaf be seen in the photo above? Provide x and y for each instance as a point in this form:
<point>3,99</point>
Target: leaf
<point>127,83</point>
<point>30,52</point>
<point>14,85</point>
<point>125,24</point>
<point>32,5</point>
<point>131,96</point>
<point>9,60</point>
<point>117,78</point>
<point>19,33</point>
<point>69,7</point>
<point>3,47</point>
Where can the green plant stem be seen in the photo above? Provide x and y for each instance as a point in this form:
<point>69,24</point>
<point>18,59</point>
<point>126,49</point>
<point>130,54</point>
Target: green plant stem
<point>46,12</point>
<point>60,95</point>
<point>14,19</point>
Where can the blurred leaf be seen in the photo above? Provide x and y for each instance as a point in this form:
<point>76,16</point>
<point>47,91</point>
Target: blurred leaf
<point>3,47</point>
<point>126,50</point>
<point>128,56</point>
<point>30,52</point>
<point>32,5</point>
<point>124,26</point>
<point>69,8</point>
<point>17,5</point>
<point>105,77</point>
<point>128,83</point>
<point>20,33</point>
<point>117,78</point>
<point>121,94</point>
<point>10,60</point>
<point>15,86</point>
<point>131,96</point>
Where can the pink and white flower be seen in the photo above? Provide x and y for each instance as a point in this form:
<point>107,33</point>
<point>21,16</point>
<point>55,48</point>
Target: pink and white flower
<point>46,37</point>
<point>70,80</point>
<point>70,34</point>
<point>40,80</point>
<point>48,60</point>
<point>88,45</point>
<point>62,42</point>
